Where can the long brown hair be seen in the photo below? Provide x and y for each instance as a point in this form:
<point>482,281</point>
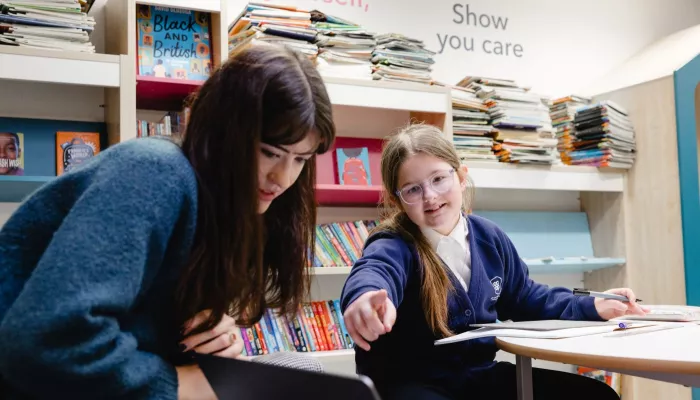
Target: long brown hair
<point>262,94</point>
<point>435,285</point>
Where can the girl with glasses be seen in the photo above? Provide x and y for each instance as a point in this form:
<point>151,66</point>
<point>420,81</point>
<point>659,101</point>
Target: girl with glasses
<point>111,274</point>
<point>431,269</point>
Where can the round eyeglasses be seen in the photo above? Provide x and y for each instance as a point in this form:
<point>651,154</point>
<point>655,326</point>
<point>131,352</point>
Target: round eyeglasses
<point>440,182</point>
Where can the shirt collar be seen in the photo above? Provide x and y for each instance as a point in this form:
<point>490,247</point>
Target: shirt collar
<point>459,233</point>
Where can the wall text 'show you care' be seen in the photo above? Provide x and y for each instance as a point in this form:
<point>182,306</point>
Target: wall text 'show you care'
<point>466,16</point>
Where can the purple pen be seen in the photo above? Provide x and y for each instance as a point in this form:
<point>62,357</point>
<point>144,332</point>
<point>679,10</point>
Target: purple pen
<point>622,325</point>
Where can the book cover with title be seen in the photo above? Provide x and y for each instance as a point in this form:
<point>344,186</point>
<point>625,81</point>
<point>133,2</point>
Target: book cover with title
<point>173,43</point>
<point>11,153</point>
<point>353,166</point>
<point>74,148</point>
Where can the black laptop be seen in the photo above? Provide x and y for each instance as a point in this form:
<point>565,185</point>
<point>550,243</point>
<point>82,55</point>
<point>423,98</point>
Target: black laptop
<point>236,379</point>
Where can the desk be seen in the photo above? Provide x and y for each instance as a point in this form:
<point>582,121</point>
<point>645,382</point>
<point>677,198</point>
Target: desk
<point>671,355</point>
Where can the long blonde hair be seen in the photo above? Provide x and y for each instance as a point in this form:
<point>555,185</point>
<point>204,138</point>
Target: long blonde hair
<point>412,140</point>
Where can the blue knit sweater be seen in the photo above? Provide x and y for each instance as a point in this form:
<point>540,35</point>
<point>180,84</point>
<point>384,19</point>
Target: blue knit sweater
<point>88,266</point>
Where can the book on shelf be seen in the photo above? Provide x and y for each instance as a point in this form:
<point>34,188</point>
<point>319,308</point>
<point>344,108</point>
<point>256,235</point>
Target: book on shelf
<point>46,25</point>
<point>11,153</point>
<point>74,148</point>
<point>173,43</point>
<point>340,244</point>
<point>316,326</point>
<point>353,166</point>
<point>171,124</point>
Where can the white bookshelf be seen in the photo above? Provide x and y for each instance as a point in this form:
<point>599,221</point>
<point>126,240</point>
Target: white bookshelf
<point>534,177</point>
<point>324,271</point>
<point>60,67</point>
<point>388,95</point>
<point>199,5</point>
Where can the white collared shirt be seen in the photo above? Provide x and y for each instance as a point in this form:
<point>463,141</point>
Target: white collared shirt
<point>453,249</point>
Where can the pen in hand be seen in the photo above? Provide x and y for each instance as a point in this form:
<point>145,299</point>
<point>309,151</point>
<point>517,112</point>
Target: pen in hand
<point>585,292</point>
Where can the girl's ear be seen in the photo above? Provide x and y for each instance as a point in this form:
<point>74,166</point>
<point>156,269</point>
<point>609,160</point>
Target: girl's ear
<point>462,173</point>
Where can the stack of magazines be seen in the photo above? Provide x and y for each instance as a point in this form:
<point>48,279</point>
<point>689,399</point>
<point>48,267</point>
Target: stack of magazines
<point>604,136</point>
<point>400,58</point>
<point>46,25</point>
<point>562,111</point>
<point>340,47</point>
<point>520,119</point>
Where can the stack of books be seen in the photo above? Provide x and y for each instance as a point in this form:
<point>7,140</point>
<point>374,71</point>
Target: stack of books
<point>562,112</point>
<point>401,58</point>
<point>345,48</point>
<point>339,46</point>
<point>523,128</point>
<point>46,25</point>
<point>317,326</point>
<point>472,133</point>
<point>604,136</point>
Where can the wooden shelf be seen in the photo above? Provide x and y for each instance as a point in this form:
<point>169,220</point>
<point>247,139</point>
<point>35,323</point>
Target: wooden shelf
<point>557,177</point>
<point>348,195</point>
<point>14,189</point>
<point>388,95</point>
<point>163,93</point>
<point>62,67</point>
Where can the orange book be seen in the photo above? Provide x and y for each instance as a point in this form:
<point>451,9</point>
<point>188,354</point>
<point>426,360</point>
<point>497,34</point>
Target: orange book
<point>325,324</point>
<point>74,148</point>
<point>311,318</point>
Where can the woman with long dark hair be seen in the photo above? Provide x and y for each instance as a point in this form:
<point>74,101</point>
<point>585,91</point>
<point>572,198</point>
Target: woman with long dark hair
<point>110,273</point>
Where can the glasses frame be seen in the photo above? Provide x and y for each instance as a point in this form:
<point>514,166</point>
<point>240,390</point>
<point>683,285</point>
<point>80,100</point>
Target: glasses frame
<point>429,181</point>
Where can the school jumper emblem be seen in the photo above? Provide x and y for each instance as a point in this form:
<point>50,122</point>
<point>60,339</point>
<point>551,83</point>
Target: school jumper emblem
<point>497,284</point>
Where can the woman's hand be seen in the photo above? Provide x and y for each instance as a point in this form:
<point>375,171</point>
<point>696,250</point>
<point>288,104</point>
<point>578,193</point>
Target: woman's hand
<point>223,340</point>
<point>369,316</point>
<point>609,309</point>
<point>192,384</point>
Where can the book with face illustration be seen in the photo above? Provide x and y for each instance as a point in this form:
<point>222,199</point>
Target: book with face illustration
<point>11,153</point>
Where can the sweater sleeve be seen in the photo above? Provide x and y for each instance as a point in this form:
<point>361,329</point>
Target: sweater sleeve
<point>62,333</point>
<point>385,264</point>
<point>523,299</point>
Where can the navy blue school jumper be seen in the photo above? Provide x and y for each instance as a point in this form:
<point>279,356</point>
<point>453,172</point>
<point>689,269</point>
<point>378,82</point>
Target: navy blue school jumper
<point>500,288</point>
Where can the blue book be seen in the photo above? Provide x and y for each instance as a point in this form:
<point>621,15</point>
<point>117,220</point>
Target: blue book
<point>173,43</point>
<point>353,166</point>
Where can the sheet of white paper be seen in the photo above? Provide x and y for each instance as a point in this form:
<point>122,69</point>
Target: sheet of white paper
<point>553,334</point>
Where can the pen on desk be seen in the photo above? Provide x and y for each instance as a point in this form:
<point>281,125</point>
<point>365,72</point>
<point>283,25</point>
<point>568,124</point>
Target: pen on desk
<point>584,292</point>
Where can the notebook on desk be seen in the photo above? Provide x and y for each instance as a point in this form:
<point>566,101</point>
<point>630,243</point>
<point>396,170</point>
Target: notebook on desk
<point>547,329</point>
<point>667,313</point>
<point>544,325</point>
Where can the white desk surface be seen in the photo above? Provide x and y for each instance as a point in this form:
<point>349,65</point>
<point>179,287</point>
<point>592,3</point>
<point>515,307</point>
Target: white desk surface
<point>671,355</point>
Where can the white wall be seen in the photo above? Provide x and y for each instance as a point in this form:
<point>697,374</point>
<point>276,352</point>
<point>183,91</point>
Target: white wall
<point>565,45</point>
